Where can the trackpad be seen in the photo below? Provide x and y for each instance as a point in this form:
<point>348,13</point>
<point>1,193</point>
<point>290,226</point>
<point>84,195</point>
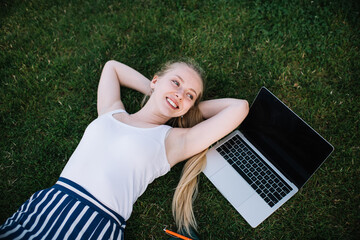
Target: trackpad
<point>234,188</point>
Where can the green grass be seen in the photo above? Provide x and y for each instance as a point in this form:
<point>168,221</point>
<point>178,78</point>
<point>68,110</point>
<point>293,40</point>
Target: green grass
<point>306,52</point>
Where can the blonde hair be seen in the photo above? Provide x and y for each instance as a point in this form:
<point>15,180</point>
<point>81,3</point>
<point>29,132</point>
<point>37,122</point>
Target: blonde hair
<point>187,189</point>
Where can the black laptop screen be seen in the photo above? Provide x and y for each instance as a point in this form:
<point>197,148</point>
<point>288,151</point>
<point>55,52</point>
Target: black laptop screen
<point>284,139</point>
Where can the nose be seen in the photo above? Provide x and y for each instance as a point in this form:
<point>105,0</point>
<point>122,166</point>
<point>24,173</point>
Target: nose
<point>179,94</point>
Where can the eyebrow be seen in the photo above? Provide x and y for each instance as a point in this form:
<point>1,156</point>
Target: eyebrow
<point>182,80</point>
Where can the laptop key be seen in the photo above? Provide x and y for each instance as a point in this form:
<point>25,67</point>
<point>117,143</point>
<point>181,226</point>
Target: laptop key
<point>243,174</point>
<point>277,195</point>
<point>225,149</point>
<point>274,199</point>
<point>286,190</point>
<point>283,194</point>
<point>230,160</point>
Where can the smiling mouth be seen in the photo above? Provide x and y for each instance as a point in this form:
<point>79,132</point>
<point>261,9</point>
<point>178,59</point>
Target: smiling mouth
<point>172,103</point>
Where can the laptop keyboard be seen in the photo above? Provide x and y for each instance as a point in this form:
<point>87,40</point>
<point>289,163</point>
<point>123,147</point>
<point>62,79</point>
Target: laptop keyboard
<point>254,170</point>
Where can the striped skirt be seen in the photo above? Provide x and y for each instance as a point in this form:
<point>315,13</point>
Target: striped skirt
<point>64,211</point>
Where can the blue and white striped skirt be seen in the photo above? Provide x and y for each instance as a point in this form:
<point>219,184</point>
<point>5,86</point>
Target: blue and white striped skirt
<point>64,211</point>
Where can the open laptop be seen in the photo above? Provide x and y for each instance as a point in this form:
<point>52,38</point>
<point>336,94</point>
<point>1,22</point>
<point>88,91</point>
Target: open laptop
<point>263,164</point>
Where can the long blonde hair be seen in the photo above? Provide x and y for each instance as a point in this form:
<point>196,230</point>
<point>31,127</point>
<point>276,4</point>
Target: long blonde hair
<point>187,189</point>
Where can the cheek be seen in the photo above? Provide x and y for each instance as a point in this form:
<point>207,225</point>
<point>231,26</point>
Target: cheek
<point>189,105</point>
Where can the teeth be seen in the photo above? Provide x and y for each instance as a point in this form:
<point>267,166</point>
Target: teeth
<point>172,103</point>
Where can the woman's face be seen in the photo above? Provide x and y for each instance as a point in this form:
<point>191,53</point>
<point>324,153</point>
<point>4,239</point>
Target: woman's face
<point>176,91</point>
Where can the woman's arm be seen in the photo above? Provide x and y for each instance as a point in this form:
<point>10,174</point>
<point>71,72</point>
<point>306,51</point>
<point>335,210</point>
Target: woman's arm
<point>114,75</point>
<point>210,108</point>
<point>222,116</point>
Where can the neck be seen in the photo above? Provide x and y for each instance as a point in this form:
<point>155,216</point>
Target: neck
<point>150,116</point>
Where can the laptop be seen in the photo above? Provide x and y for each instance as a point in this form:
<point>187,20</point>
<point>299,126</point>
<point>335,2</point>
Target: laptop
<point>260,166</point>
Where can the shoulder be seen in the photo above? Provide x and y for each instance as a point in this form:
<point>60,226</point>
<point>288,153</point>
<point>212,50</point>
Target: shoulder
<point>117,106</point>
<point>112,111</point>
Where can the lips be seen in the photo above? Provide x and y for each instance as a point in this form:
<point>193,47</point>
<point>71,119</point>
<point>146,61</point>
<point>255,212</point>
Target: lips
<point>172,103</point>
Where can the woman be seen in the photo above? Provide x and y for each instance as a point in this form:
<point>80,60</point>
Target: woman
<point>121,153</point>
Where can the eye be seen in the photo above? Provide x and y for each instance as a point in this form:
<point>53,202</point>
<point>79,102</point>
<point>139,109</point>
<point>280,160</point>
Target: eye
<point>176,82</point>
<point>190,96</point>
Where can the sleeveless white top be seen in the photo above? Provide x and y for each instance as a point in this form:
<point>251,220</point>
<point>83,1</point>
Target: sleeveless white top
<point>115,162</point>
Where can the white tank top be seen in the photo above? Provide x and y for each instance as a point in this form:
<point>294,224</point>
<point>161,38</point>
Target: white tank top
<point>115,162</point>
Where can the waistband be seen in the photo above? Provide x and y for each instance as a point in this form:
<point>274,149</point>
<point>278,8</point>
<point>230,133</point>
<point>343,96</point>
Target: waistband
<point>75,190</point>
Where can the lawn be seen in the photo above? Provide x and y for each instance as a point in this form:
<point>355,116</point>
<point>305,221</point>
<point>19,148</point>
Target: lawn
<point>305,52</point>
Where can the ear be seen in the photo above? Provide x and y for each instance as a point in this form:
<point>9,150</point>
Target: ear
<point>154,81</point>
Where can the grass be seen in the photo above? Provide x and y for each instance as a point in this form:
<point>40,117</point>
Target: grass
<point>306,52</point>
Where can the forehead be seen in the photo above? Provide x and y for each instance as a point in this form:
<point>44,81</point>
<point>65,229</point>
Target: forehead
<point>190,77</point>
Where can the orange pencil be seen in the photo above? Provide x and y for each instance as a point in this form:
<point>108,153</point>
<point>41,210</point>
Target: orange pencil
<point>176,235</point>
